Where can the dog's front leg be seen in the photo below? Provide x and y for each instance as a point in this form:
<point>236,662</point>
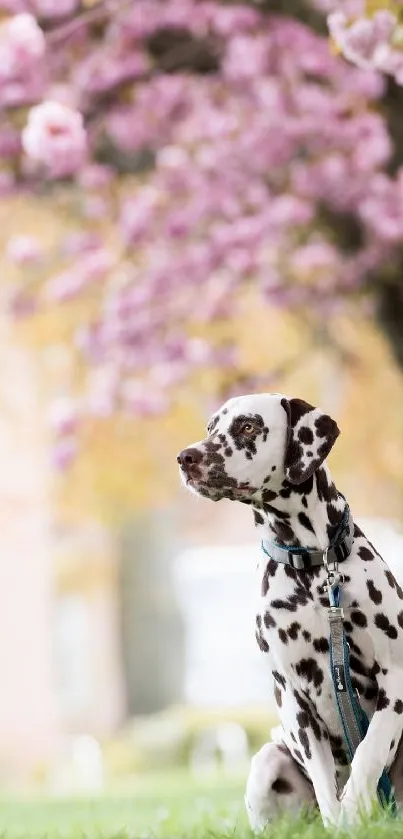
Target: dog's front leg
<point>386,726</point>
<point>319,763</point>
<point>299,715</point>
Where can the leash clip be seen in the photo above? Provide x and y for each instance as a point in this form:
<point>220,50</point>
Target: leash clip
<point>334,579</point>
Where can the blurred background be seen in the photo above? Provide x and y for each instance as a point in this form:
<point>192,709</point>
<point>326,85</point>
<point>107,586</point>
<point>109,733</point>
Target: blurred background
<point>198,198</point>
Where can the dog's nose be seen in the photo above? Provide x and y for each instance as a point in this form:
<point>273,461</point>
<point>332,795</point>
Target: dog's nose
<point>189,457</point>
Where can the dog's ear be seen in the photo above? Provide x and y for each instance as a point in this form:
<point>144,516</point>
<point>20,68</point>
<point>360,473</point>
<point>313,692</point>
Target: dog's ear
<point>310,437</point>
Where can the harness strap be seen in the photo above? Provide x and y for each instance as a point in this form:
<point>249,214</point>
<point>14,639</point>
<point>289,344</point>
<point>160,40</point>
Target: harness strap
<point>353,718</point>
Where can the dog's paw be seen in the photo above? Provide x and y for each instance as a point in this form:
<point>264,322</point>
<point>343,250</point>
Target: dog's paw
<point>351,811</point>
<point>258,819</point>
<point>357,801</point>
<point>348,815</point>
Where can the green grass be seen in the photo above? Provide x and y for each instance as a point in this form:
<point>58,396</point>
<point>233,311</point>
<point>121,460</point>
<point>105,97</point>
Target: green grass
<point>168,807</point>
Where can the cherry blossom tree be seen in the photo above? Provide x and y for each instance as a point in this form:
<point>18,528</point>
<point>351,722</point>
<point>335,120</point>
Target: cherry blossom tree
<point>199,148</point>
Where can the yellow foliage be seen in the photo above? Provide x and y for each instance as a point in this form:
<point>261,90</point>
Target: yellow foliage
<point>373,6</point>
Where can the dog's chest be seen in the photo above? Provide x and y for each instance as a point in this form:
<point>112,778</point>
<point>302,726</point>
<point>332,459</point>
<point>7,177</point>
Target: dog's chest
<point>292,625</point>
<point>292,630</point>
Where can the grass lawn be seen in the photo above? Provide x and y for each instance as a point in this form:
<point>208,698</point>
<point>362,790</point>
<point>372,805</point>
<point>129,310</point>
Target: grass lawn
<point>165,807</point>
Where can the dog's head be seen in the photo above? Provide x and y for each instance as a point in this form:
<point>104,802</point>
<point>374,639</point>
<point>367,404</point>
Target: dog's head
<point>257,444</point>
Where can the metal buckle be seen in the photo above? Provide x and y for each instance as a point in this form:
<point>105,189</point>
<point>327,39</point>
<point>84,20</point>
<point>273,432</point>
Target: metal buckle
<point>296,561</point>
<point>326,562</point>
<point>332,571</point>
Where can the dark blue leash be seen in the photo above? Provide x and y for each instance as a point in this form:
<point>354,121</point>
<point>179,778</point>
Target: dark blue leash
<point>353,718</point>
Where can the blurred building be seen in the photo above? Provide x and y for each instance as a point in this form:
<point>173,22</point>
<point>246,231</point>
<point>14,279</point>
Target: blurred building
<point>29,718</point>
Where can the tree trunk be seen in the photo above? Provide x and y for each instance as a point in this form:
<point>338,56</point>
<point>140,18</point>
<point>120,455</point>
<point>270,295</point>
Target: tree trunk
<point>151,623</point>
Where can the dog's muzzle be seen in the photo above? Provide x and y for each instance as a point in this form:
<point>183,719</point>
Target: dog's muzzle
<point>190,464</point>
<point>189,458</point>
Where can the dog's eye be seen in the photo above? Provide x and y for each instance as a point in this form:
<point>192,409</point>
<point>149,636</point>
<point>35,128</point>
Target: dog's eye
<point>247,428</point>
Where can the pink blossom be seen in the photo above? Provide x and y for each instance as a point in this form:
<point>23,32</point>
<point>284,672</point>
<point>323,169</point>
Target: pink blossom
<point>163,376</point>
<point>24,250</point>
<point>103,392</point>
<point>55,136</point>
<point>137,215</point>
<point>365,85</point>
<point>361,41</point>
<point>92,266</point>
<point>390,61</point>
<point>316,256</point>
<point>240,262</point>
<point>373,146</point>
<point>95,207</point>
<point>54,8</point>
<point>95,176</point>
<point>173,157</point>
<point>63,416</point>
<point>233,19</point>
<point>13,6</point>
<point>139,22</point>
<point>77,243</point>
<point>100,71</point>
<point>351,8</point>
<point>97,263</point>
<point>182,13</point>
<point>64,286</point>
<point>128,129</point>
<point>384,23</point>
<point>198,352</point>
<point>7,182</point>
<point>22,44</point>
<point>17,94</point>
<point>143,400</point>
<point>290,210</point>
<point>382,209</point>
<point>87,341</point>
<point>10,142</point>
<point>246,57</point>
<point>65,94</point>
<point>218,302</point>
<point>21,304</point>
<point>64,453</point>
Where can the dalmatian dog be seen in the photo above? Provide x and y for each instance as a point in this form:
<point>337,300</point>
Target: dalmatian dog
<point>269,451</point>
